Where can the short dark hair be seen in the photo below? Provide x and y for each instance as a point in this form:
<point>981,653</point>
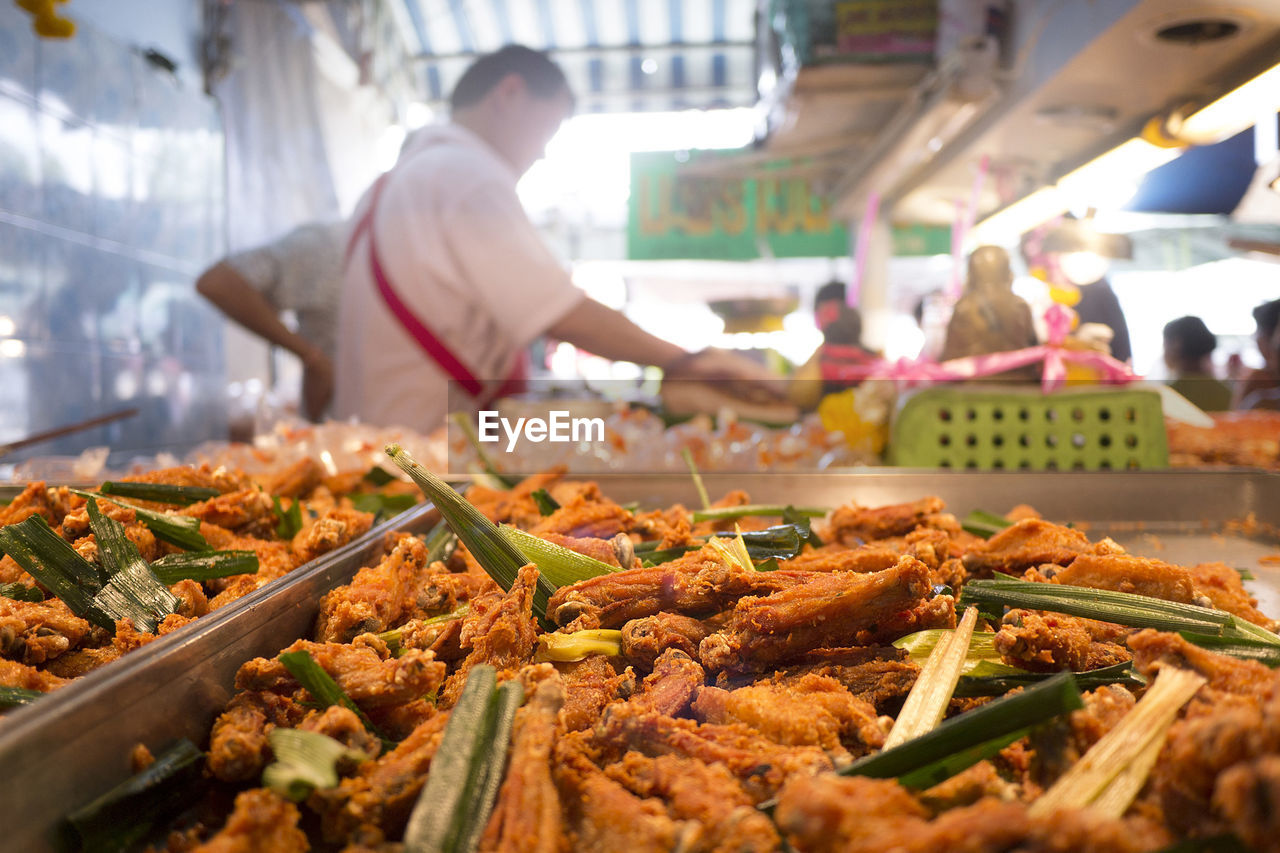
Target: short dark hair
<point>1267,316</point>
<point>830,291</point>
<point>540,74</point>
<point>1192,336</point>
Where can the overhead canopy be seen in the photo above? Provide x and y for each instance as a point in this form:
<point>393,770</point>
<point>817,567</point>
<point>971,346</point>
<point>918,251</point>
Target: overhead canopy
<point>619,55</point>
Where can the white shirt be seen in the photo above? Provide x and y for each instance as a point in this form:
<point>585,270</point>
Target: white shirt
<point>462,254</point>
<point>301,272</point>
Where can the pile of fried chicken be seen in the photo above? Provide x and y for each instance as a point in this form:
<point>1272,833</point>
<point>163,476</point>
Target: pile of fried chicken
<point>43,644</point>
<point>736,687</point>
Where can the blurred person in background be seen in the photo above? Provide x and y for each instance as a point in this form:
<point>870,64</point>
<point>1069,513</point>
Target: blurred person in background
<point>301,272</point>
<point>1188,353</point>
<point>1260,389</point>
<point>446,279</point>
<point>1246,381</point>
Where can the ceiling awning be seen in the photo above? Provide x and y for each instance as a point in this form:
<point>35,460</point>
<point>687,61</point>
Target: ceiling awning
<point>619,55</point>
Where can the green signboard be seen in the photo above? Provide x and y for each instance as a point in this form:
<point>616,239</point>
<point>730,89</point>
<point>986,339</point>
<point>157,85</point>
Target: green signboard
<point>681,212</point>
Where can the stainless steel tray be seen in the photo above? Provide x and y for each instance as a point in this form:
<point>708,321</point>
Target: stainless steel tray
<point>73,745</point>
<point>70,747</point>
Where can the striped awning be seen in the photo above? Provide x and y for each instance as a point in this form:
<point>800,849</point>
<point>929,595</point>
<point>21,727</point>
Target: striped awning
<point>619,55</point>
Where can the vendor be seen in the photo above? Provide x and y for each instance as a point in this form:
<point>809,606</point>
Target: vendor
<point>446,279</point>
<point>300,272</point>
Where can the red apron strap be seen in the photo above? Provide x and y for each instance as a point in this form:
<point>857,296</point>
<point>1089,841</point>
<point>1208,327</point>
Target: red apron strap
<point>421,334</point>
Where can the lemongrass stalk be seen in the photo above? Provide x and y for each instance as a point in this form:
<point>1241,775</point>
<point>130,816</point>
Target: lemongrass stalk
<point>558,564</point>
<point>927,702</point>
<point>500,559</point>
<point>697,478</point>
<point>1149,721</point>
<point>728,550</point>
<point>1122,608</point>
<point>160,493</point>
<point>565,648</point>
<point>1260,650</point>
<point>305,761</point>
<point>982,647</point>
<point>764,510</point>
<point>204,565</point>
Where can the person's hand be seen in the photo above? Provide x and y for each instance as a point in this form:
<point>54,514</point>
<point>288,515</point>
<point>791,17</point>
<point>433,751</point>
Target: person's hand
<point>739,375</point>
<point>714,380</point>
<point>1235,366</point>
<point>317,384</point>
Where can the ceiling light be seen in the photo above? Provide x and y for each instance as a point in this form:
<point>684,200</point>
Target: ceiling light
<point>1233,112</point>
<point>1006,226</point>
<point>1108,180</point>
<point>649,66</point>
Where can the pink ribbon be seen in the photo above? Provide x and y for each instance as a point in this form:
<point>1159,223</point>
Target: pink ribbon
<point>1054,356</point>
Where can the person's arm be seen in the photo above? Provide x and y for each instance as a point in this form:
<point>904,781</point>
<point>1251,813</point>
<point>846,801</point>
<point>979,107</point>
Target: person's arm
<point>239,300</point>
<point>607,333</point>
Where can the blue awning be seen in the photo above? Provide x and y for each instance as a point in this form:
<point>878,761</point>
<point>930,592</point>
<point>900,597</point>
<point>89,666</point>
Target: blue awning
<point>619,55</point>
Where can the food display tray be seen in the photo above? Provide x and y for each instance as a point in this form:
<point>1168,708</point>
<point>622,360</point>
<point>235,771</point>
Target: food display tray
<point>68,748</point>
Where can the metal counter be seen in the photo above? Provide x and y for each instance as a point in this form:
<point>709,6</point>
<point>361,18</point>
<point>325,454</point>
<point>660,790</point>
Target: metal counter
<point>68,748</point>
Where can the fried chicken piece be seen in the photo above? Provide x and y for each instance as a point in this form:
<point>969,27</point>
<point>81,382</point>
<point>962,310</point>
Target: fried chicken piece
<point>675,680</point>
<point>813,710</point>
<point>14,674</point>
<point>698,583</point>
<point>367,678</point>
<point>37,632</point>
<point>597,549</point>
<point>706,794</point>
<point>76,529</point>
<point>248,511</point>
<point>238,748</point>
<point>864,815</point>
<point>1247,796</point>
<point>203,476</point>
<point>829,610</point>
<point>1153,649</point>
<point>589,686</point>
<point>515,506</point>
<point>1051,642</point>
<point>382,793</point>
<point>527,816</point>
<point>76,663</point>
<point>838,558</point>
<point>1027,543</point>
<point>35,499</point>
<point>334,528</point>
<point>1126,573</point>
<point>646,638</point>
<point>880,676</point>
<point>345,727</point>
<point>1060,744</point>
<point>262,822</point>
<point>603,814</point>
<point>275,560</point>
<point>194,602</point>
<point>11,572</point>
<point>377,598</point>
<point>586,517</point>
<point>672,527</point>
<point>855,525</point>
<point>498,630</point>
<point>834,813</point>
<point>1222,585</point>
<point>760,764</point>
<point>293,481</point>
<point>968,787</point>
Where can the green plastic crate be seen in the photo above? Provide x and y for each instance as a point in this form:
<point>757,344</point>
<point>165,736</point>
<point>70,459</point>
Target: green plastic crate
<point>993,428</point>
